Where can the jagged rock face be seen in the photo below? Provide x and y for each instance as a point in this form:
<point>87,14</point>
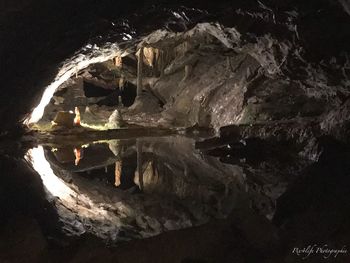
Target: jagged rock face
<point>145,103</point>
<point>336,122</point>
<point>346,5</point>
<point>236,81</point>
<point>287,40</point>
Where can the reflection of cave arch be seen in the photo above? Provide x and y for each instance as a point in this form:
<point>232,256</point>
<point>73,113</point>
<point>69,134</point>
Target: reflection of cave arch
<point>173,186</point>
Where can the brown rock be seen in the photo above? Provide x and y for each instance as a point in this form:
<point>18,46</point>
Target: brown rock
<point>65,119</point>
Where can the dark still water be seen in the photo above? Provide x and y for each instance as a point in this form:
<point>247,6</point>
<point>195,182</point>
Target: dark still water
<point>263,196</point>
<point>119,190</point>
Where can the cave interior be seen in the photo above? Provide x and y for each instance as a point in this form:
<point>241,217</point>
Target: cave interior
<point>175,132</point>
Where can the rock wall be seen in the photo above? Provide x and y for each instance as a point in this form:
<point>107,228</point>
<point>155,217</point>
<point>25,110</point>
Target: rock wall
<point>236,81</point>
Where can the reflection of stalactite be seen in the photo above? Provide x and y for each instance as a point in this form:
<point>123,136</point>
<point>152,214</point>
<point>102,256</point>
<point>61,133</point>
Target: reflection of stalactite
<point>151,178</point>
<point>118,173</point>
<point>78,155</point>
<point>139,163</point>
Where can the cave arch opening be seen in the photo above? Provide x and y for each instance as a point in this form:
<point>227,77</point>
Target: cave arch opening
<point>174,75</point>
<point>95,83</point>
<point>70,69</point>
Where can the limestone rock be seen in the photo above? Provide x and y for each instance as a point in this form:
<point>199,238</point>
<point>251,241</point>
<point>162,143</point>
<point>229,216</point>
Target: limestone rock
<point>146,103</point>
<point>64,119</point>
<point>116,121</point>
<point>336,122</point>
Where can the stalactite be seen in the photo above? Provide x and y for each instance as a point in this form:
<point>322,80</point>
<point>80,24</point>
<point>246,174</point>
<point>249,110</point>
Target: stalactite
<point>149,56</point>
<point>139,72</point>
<point>78,155</point>
<point>161,62</point>
<point>118,62</point>
<point>188,71</point>
<point>121,84</point>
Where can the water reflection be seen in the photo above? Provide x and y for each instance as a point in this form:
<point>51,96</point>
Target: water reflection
<point>125,189</point>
